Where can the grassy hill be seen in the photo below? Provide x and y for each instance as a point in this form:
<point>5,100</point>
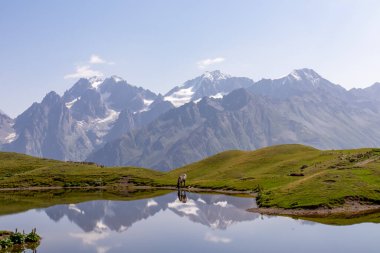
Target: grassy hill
<point>319,177</point>
<point>20,171</point>
<point>286,176</point>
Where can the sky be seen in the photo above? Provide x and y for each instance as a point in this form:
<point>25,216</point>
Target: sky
<point>48,45</point>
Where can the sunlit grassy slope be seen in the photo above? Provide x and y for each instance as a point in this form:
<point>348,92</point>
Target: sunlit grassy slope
<point>287,176</point>
<point>17,170</point>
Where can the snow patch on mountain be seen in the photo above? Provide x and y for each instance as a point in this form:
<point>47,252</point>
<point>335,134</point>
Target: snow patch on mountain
<point>188,208</point>
<point>180,97</point>
<point>187,91</point>
<point>117,79</point>
<point>99,126</point>
<point>295,76</point>
<point>213,84</point>
<point>215,75</point>
<point>303,75</point>
<point>111,117</point>
<point>11,137</point>
<point>147,103</point>
<point>218,95</point>
<point>96,81</point>
<point>71,103</point>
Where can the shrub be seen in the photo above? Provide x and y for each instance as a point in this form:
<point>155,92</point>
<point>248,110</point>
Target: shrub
<point>17,238</point>
<point>5,243</point>
<point>32,237</point>
<point>259,197</point>
<point>98,182</point>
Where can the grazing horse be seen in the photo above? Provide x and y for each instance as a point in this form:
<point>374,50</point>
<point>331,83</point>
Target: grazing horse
<point>181,180</point>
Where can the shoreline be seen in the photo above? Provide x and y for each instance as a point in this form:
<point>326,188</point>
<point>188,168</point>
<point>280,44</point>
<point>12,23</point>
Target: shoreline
<point>349,209</point>
<point>129,187</point>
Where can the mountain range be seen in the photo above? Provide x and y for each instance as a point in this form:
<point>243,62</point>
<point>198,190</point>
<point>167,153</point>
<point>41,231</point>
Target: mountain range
<point>112,122</point>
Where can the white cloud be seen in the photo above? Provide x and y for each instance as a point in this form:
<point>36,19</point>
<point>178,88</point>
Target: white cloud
<point>101,249</point>
<point>207,62</point>
<point>96,59</point>
<point>216,239</point>
<point>83,71</point>
<point>91,238</point>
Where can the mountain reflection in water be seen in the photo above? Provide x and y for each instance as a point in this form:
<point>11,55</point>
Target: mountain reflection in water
<point>185,222</point>
<point>215,211</point>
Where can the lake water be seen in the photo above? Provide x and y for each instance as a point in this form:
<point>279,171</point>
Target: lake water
<point>196,223</point>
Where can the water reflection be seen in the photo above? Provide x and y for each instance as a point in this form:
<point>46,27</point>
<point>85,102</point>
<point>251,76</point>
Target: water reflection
<point>215,211</point>
<point>182,196</point>
<point>184,221</point>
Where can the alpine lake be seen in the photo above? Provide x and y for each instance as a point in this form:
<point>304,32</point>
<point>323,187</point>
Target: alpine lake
<point>165,221</point>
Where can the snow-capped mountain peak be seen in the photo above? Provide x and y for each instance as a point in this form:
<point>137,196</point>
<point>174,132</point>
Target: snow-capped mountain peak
<point>117,78</point>
<point>304,74</point>
<point>210,84</point>
<point>95,81</point>
<point>214,75</point>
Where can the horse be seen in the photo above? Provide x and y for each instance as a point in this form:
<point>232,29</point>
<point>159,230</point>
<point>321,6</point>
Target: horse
<point>181,180</point>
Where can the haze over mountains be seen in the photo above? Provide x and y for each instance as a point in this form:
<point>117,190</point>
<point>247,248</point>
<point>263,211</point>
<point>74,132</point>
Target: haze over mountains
<point>112,122</point>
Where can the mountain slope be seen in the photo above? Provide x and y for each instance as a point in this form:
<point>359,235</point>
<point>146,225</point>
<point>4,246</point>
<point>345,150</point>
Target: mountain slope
<point>72,126</point>
<point>299,83</point>
<point>109,108</point>
<point>368,97</point>
<point>244,121</point>
<point>210,84</point>
<point>129,120</point>
<point>47,129</point>
<point>6,132</point>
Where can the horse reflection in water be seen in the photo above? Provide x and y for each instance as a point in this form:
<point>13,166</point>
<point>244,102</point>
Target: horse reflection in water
<point>182,196</point>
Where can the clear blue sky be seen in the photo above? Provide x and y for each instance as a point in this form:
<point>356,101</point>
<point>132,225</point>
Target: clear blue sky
<point>45,45</point>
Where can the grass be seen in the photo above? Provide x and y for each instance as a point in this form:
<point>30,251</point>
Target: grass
<point>329,177</point>
<point>322,178</point>
<point>18,171</point>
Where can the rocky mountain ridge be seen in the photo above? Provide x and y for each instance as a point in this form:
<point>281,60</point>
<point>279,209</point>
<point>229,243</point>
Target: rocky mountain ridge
<point>112,122</point>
